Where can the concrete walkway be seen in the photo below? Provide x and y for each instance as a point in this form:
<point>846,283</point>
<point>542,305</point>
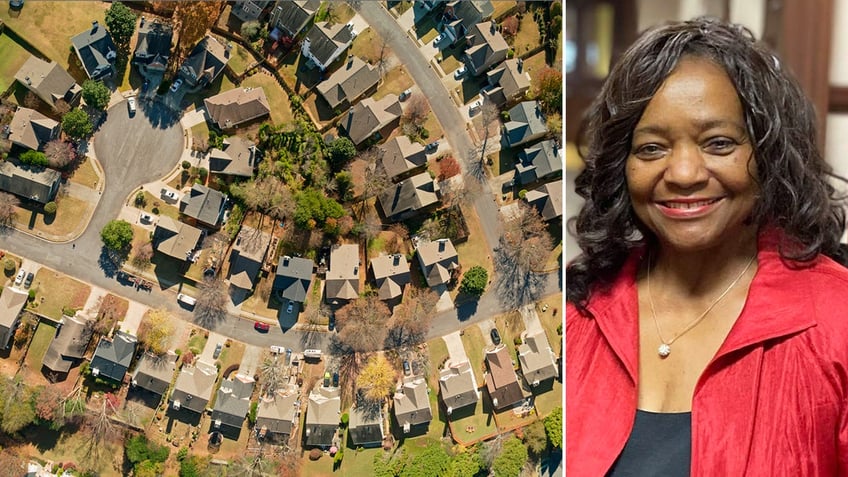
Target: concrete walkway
<point>250,360</point>
<point>445,302</point>
<point>486,328</point>
<point>92,303</point>
<point>455,348</point>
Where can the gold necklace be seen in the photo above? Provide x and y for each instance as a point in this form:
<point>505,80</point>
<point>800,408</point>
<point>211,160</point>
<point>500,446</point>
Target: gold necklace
<point>665,347</point>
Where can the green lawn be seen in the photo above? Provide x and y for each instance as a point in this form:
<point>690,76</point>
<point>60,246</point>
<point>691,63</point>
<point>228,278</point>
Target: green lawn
<point>473,342</point>
<point>278,100</point>
<point>198,341</point>
<point>85,174</point>
<point>240,59</point>
<point>44,334</point>
<point>231,354</point>
<point>547,400</point>
<point>473,423</point>
<point>55,291</point>
<point>155,202</point>
<point>14,57</point>
<point>358,463</point>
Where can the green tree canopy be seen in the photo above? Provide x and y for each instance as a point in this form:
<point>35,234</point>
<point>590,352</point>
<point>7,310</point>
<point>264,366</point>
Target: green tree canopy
<point>465,464</point>
<point>117,235</point>
<point>474,281</point>
<point>535,438</point>
<point>313,208</point>
<point>553,427</point>
<point>433,461</point>
<point>120,21</point>
<point>340,151</point>
<point>512,458</point>
<point>96,94</point>
<point>77,124</point>
<point>34,158</point>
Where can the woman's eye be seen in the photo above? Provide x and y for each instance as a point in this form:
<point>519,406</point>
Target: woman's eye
<point>720,145</point>
<point>649,151</point>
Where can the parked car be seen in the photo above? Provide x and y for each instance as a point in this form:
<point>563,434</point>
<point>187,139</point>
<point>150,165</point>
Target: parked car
<point>217,352</point>
<point>475,107</point>
<point>176,85</point>
<point>169,195</point>
<point>145,85</point>
<point>496,337</point>
<point>407,370</point>
<point>432,147</point>
<point>335,379</point>
<point>312,353</point>
<point>131,105</point>
<point>20,277</point>
<point>28,281</point>
<point>145,218</point>
<point>259,326</point>
<point>405,94</point>
<point>278,349</point>
<point>188,300</point>
<point>459,72</point>
<point>439,38</point>
<point>331,325</point>
<point>290,307</point>
<point>327,379</point>
<point>16,4</point>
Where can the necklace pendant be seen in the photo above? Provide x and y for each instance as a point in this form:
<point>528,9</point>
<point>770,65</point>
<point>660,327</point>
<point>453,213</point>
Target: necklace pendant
<point>664,350</point>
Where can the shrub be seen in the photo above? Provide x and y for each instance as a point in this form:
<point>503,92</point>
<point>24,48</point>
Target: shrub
<point>345,419</point>
<point>522,193</point>
<point>559,329</point>
<point>315,454</point>
<point>34,158</point>
<point>50,208</point>
<point>203,172</point>
<point>155,210</point>
<point>251,416</point>
<point>505,116</point>
<point>474,281</point>
<point>31,294</point>
<point>186,165</point>
<point>139,198</point>
<point>9,265</point>
<point>516,341</point>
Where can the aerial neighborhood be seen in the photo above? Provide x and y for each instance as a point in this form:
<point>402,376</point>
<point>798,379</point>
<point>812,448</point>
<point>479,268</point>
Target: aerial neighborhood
<point>281,237</point>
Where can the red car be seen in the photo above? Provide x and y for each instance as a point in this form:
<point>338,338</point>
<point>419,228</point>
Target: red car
<point>259,326</point>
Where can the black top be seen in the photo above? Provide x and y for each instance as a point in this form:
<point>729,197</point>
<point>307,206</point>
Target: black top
<point>660,445</point>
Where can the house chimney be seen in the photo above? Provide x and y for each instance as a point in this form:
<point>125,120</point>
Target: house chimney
<point>441,245</point>
<point>94,26</point>
<point>520,65</point>
<point>349,61</point>
<point>356,270</point>
<point>396,260</point>
<point>286,261</point>
<point>29,81</point>
<point>493,27</point>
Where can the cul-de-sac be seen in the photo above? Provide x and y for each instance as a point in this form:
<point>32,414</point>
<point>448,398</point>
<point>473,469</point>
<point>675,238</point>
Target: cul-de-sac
<point>281,238</point>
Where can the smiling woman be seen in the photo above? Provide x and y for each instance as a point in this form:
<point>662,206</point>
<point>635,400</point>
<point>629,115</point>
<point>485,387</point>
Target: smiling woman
<point>704,316</point>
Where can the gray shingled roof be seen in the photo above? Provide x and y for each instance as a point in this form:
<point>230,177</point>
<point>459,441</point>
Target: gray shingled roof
<point>174,238</point>
<point>153,46</point>
<point>249,10</point>
<point>205,63</point>
<point>537,360</point>
<point>96,51</point>
<point>366,427</point>
<point>473,11</point>
<point>391,274</point>
<point>547,199</point>
<point>112,357</point>
<point>410,196</point>
<point>501,380</point>
<point>294,274</point>
<point>194,387</point>
<point>155,373</point>
<point>526,122</point>
<point>12,301</point>
<point>538,162</point>
<point>349,82</point>
<point>247,256</point>
<point>400,155</point>
<point>237,106</point>
<point>412,404</point>
<point>204,204</point>
<point>456,384</point>
<point>291,17</point>
<point>30,182</point>
<point>277,414</point>
<point>322,416</point>
<point>437,259</point>
<point>48,81</point>
<point>486,47</point>
<point>369,116</point>
<point>326,41</point>
<point>237,158</point>
<point>509,80</point>
<point>342,278</point>
<point>31,129</point>
<point>233,401</point>
<point>69,344</point>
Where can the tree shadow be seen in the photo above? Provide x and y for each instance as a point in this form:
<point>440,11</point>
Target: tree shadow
<point>515,285</point>
<point>107,263</point>
<point>466,310</point>
<point>158,114</point>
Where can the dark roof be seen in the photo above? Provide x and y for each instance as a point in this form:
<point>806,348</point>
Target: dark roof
<point>526,122</point>
<point>366,427</point>
<point>486,47</point>
<point>247,256</point>
<point>294,274</point>
<point>112,357</point>
<point>277,414</point>
<point>322,416</point>
<point>237,106</point>
<point>69,344</point>
<point>327,41</point>
<point>194,387</point>
<point>249,10</point>
<point>237,158</point>
<point>437,259</point>
<point>31,129</point>
<point>400,155</point>
<point>369,116</point>
<point>12,301</point>
<point>539,161</point>
<point>342,278</point>
<point>233,401</point>
<point>501,380</point>
<point>174,238</point>
<point>547,199</point>
<point>204,204</point>
<point>473,11</point>
<point>391,274</point>
<point>206,62</point>
<point>30,182</point>
<point>155,373</point>
<point>349,82</point>
<point>96,51</point>
<point>411,195</point>
<point>292,16</point>
<point>509,80</point>
<point>154,44</point>
<point>48,81</point>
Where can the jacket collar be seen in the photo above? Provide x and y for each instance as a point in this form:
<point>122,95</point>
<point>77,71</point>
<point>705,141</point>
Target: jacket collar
<point>772,309</point>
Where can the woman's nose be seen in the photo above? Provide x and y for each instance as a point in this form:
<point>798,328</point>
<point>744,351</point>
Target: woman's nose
<point>686,166</point>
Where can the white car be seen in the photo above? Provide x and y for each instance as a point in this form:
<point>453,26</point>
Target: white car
<point>459,72</point>
<point>131,105</point>
<point>474,108</point>
<point>19,278</point>
<point>438,39</point>
<point>169,195</point>
<point>290,307</point>
<point>176,85</point>
<point>145,218</point>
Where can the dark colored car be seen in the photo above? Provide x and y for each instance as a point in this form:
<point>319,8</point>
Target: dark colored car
<point>496,337</point>
<point>145,85</point>
<point>331,325</point>
<point>336,379</point>
<point>28,280</point>
<point>407,370</point>
<point>259,326</point>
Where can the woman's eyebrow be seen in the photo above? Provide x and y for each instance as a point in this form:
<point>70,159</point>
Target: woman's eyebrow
<point>700,125</point>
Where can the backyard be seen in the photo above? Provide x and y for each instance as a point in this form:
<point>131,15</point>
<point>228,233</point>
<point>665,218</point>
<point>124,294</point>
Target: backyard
<point>14,57</point>
<point>44,334</point>
<point>277,99</point>
<point>55,292</point>
<point>474,343</point>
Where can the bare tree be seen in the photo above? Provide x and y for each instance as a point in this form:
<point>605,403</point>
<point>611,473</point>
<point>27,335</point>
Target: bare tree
<point>143,254</point>
<point>414,114</point>
<point>411,320</point>
<point>8,203</point>
<point>523,248</point>
<point>100,427</point>
<point>362,323</point>
<point>59,153</point>
<point>377,378</point>
<point>155,331</point>
<point>211,305</point>
<point>271,376</point>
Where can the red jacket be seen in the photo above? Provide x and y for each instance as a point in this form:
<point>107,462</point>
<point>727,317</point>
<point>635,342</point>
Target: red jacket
<point>772,402</point>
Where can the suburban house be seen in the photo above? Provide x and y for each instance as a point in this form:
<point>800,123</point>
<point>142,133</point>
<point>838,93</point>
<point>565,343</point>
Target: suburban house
<point>276,416</point>
<point>438,260</point>
<point>237,158</point>
<point>402,157</point>
<point>249,10</point>
<point>537,359</point>
<point>485,48</point>
<point>413,196</point>
<point>113,356</point>
<point>371,118</point>
<point>457,385</point>
<point>324,43</point>
<point>232,402</point>
<point>155,373</point>
<point>289,18</point>
<point>29,182</point>
<point>247,256</point>
<point>153,47</point>
<point>204,205</point>
<point>461,15</point>
<point>391,275</point>
<point>237,106</point>
<point>366,426</point>
<point>12,301</point>
<point>539,162</point>
<point>412,404</point>
<point>194,387</point>
<point>547,199</point>
<point>48,81</point>
<point>349,83</point>
<point>96,51</point>
<point>294,274</point>
<point>526,123</point>
<point>174,238</point>
<point>342,278</point>
<point>501,380</point>
<point>205,63</point>
<point>32,130</point>
<point>69,344</point>
<point>507,83</point>
<point>322,417</point>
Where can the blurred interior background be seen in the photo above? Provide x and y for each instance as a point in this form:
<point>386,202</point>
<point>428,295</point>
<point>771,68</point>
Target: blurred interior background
<point>811,37</point>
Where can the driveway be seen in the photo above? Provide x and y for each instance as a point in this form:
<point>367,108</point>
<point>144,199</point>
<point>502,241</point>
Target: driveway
<point>209,350</point>
<point>455,348</point>
<point>132,319</point>
<point>486,328</point>
<point>250,360</point>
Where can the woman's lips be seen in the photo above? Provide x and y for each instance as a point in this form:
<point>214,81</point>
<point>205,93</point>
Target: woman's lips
<point>687,208</point>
